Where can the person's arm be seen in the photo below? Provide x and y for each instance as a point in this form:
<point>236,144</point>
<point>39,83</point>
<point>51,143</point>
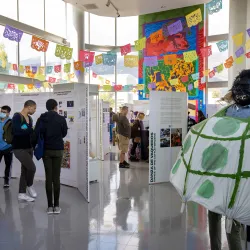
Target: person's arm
<point>64,128</point>
<point>16,126</point>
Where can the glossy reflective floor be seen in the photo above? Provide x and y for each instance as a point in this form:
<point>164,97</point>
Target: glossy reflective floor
<point>124,213</point>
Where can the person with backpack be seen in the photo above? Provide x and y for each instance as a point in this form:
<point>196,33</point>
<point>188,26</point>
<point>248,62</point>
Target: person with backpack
<point>5,148</point>
<point>52,127</point>
<point>22,132</point>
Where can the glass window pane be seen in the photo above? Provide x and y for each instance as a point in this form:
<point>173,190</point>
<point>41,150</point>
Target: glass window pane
<point>86,27</point>
<point>29,56</point>
<point>102,30</point>
<point>55,17</point>
<point>8,54</point>
<point>126,97</point>
<point>108,97</point>
<point>215,60</point>
<point>218,23</point>
<point>100,73</point>
<point>125,75</point>
<point>32,13</point>
<point>215,94</point>
<point>127,30</point>
<point>9,8</point>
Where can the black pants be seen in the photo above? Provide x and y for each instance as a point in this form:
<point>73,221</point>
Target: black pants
<point>8,157</point>
<point>28,168</point>
<point>52,163</point>
<point>133,149</point>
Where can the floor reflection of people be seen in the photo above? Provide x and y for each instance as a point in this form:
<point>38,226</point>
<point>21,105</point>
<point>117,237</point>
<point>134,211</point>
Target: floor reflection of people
<point>53,239</point>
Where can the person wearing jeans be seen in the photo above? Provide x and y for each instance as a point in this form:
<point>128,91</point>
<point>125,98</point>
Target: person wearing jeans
<point>22,130</point>
<point>53,128</point>
<point>6,151</point>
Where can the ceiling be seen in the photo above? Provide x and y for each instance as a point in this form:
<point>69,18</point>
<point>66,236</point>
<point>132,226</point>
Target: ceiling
<point>131,7</point>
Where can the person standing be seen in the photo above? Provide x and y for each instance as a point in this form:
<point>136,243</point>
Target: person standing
<point>5,148</point>
<point>53,128</point>
<point>22,130</point>
<point>111,124</point>
<point>124,134</point>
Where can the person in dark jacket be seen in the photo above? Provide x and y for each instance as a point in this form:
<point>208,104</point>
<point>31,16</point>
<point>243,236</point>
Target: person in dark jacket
<point>136,129</point>
<point>54,128</point>
<point>201,116</point>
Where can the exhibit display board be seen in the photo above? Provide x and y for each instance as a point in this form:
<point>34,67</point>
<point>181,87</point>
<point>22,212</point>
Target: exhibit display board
<point>104,128</point>
<point>73,105</point>
<point>167,130</point>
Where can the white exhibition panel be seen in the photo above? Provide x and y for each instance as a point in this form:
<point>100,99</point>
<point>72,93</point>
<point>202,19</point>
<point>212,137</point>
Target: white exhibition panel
<point>73,105</point>
<point>167,130</point>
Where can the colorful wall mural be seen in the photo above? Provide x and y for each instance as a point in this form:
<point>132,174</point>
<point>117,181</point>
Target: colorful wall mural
<point>172,72</point>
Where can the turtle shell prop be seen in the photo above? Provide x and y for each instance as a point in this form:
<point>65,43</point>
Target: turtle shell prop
<point>213,166</point>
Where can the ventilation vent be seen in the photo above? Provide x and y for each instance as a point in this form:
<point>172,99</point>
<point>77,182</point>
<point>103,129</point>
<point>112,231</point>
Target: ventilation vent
<point>90,6</point>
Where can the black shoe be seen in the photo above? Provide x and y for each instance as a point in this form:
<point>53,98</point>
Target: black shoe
<point>122,165</point>
<point>6,184</point>
<point>126,163</point>
<point>133,159</point>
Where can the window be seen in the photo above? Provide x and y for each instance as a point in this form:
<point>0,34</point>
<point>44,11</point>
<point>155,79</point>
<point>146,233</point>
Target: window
<point>9,9</point>
<point>215,94</point>
<point>218,23</point>
<point>125,75</point>
<point>8,54</point>
<point>55,17</point>
<point>127,30</point>
<point>29,56</point>
<point>86,27</point>
<point>102,30</point>
<point>126,97</point>
<point>215,60</point>
<point>32,12</point>
<point>108,97</point>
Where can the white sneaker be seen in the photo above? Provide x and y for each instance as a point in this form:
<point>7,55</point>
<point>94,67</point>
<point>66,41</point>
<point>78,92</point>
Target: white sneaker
<point>32,192</point>
<point>24,197</point>
<point>57,210</point>
<point>50,210</point>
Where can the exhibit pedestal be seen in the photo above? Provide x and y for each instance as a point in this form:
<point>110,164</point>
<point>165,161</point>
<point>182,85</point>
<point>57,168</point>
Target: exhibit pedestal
<point>94,170</point>
<point>167,129</point>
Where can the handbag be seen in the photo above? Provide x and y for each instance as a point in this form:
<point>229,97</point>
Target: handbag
<point>39,149</point>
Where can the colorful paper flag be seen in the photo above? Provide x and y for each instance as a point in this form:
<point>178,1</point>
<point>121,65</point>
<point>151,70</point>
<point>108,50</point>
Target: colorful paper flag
<point>107,87</point>
<point>98,59</point>
<point>190,86</point>
<point>220,68</point>
<point>107,82</point>
<point>30,86</point>
<point>175,27</point>
<point>238,39</point>
<point>118,87</point>
<point>67,67</point>
<point>40,77</point>
<point>206,72</point>
<point>248,55</point>
<point>239,60</point>
<point>21,69</point>
<point>94,75</point>
<point>125,49</point>
<point>11,86</point>
<point>38,85</point>
<point>52,79</point>
<point>130,61</point>
<point>41,70</point>
<point>77,65</point>
<point>229,62</point>
<point>196,84</point>
<point>86,56</point>
<point>239,52</point>
<point>14,66</point>
<point>206,51</point>
<point>39,44</point>
<point>27,69</point>
<point>109,59</point>
<point>156,36</point>
<point>20,87</point>
<point>170,59</point>
<point>194,18</point>
<point>190,56</point>
<point>214,6</point>
<point>248,32</point>
<point>150,61</point>
<point>49,69</point>
<point>46,85</point>
<point>248,44</point>
<point>34,69</point>
<point>222,45</point>
<point>58,68</point>
<point>174,82</point>
<point>63,52</point>
<point>211,74</point>
<point>140,44</point>
<point>196,76</point>
<point>12,34</point>
<point>184,79</point>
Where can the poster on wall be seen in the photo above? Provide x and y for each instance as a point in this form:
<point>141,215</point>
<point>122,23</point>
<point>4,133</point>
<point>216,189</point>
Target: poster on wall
<point>66,155</point>
<point>167,129</point>
<point>176,46</point>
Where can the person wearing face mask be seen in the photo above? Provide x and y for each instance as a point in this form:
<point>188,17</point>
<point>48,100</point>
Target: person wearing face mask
<point>53,128</point>
<point>5,148</point>
<point>22,130</point>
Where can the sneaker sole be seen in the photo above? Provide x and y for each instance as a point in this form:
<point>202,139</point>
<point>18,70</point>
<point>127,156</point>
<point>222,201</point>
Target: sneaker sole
<point>26,200</point>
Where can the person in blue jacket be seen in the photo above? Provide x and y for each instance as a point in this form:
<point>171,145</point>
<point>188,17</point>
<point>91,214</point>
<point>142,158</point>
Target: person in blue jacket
<point>5,148</point>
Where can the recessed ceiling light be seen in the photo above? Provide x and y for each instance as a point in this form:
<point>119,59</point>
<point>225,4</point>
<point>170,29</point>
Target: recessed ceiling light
<point>163,7</point>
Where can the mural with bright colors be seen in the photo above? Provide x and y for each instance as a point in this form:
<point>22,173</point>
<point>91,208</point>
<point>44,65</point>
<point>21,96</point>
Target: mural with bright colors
<point>173,72</point>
